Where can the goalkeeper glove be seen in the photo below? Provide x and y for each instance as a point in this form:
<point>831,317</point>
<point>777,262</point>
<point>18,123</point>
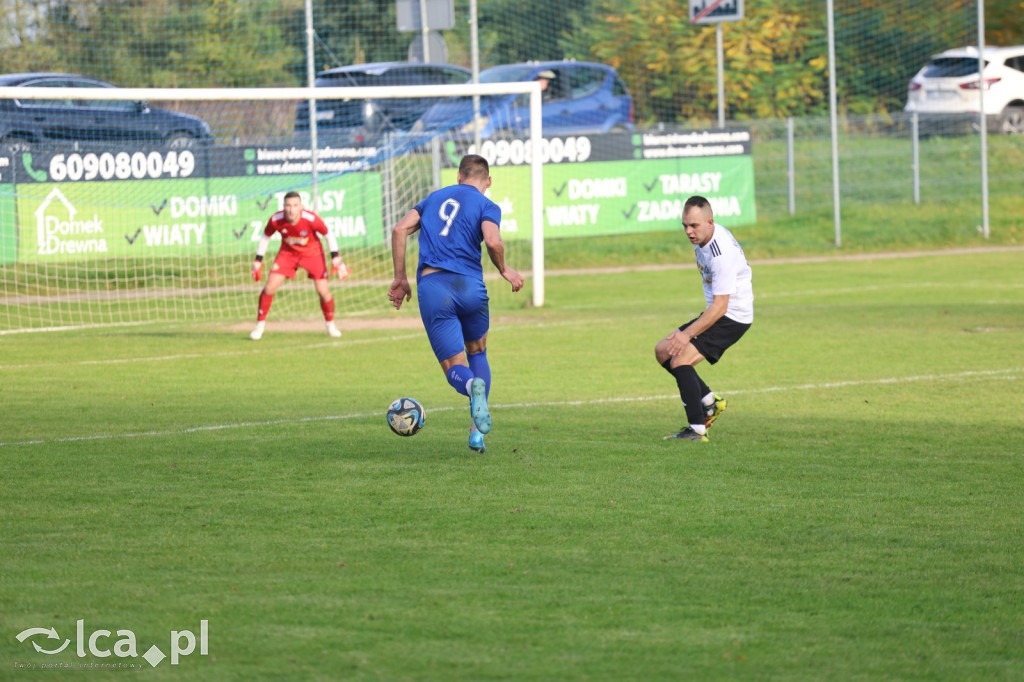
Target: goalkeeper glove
<point>257,270</point>
<point>337,266</point>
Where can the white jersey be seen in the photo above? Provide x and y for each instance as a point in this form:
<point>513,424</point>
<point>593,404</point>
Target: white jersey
<point>724,269</point>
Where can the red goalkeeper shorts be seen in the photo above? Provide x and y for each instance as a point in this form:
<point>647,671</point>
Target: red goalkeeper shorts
<point>288,262</point>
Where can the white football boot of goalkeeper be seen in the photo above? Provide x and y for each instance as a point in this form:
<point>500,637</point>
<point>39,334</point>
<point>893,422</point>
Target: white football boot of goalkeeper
<point>333,331</point>
<point>257,333</point>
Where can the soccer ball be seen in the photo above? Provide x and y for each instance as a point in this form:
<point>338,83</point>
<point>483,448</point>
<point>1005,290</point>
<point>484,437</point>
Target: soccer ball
<point>406,416</point>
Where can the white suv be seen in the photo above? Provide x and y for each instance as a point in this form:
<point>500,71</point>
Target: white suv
<point>948,85</point>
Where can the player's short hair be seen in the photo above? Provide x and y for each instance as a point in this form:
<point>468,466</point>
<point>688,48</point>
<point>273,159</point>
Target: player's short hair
<point>292,195</point>
<point>697,201</point>
<point>474,167</point>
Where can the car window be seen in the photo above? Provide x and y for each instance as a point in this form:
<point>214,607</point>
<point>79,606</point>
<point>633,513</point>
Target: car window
<point>951,67</point>
<point>619,88</point>
<point>414,75</point>
<point>417,75</point>
<point>506,74</point>
<point>585,81</point>
<point>49,103</point>
<point>105,104</point>
<point>1016,63</point>
<point>452,76</point>
<point>561,87</point>
<point>344,79</point>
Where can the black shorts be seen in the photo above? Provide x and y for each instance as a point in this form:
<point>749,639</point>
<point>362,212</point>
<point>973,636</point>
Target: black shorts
<point>716,338</point>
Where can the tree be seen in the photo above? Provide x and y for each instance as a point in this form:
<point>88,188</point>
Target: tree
<point>1004,22</point>
<point>774,66</point>
<point>353,32</point>
<point>152,43</point>
<point>776,57</point>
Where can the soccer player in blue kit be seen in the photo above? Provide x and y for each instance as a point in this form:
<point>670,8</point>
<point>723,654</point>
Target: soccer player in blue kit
<point>452,222</point>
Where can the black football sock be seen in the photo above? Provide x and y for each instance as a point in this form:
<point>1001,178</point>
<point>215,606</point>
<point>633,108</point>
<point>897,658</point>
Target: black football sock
<point>704,388</point>
<point>690,392</point>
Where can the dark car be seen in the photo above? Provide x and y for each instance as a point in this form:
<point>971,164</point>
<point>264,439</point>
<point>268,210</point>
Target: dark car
<point>25,123</point>
<point>581,98</point>
<point>366,120</point>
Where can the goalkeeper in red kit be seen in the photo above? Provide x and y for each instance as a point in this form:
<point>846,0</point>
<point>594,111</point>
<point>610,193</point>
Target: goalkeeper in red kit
<point>300,248</point>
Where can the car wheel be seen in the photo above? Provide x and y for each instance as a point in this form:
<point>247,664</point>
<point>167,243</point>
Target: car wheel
<point>180,141</point>
<point>15,144</point>
<point>1011,121</point>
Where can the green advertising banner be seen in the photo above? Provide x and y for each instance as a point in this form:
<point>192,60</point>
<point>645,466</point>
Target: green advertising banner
<point>176,217</point>
<point>62,206</point>
<point>617,197</point>
<point>8,226</point>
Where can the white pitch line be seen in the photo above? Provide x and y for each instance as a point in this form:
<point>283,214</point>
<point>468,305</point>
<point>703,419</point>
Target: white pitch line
<point>221,354</point>
<point>1004,374</point>
<point>288,349</point>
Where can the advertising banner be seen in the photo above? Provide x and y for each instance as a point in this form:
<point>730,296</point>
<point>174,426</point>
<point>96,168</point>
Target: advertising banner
<point>114,165</point>
<point>616,184</point>
<point>68,220</point>
<point>96,204</point>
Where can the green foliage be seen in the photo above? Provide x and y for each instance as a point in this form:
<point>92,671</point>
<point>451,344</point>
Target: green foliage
<point>527,31</point>
<point>881,45</point>
<point>354,32</point>
<point>1004,22</point>
<point>150,43</point>
<point>775,59</point>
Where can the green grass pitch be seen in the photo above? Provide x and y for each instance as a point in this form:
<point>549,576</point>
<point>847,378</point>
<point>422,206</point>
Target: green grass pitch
<point>857,514</point>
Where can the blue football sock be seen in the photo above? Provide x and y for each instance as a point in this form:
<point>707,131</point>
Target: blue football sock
<point>478,364</point>
<point>459,377</point>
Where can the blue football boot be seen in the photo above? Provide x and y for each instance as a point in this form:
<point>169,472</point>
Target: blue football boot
<point>478,405</point>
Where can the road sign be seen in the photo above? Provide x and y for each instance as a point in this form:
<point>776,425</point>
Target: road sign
<point>715,11</point>
<point>436,52</point>
<point>440,14</point>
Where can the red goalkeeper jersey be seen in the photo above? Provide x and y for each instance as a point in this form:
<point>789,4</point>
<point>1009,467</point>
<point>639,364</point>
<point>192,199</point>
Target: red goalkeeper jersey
<point>300,238</point>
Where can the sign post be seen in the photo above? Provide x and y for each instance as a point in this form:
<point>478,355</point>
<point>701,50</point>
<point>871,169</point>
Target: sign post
<point>717,12</point>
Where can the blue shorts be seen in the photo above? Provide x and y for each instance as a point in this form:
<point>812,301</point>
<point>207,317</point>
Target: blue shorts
<point>454,310</point>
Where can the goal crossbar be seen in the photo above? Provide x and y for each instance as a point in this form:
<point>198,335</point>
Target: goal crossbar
<point>295,93</point>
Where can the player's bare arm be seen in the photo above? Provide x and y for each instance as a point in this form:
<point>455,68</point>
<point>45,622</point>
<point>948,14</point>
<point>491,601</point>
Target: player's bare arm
<point>496,251</point>
<point>679,340</point>
<point>400,290</point>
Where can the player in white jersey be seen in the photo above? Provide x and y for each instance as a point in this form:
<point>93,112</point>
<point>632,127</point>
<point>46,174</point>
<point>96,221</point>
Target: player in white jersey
<point>730,312</point>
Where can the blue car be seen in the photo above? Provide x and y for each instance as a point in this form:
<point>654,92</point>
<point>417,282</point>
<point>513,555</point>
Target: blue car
<point>580,98</point>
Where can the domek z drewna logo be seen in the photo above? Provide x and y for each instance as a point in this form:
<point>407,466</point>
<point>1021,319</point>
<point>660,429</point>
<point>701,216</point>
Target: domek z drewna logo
<point>60,231</point>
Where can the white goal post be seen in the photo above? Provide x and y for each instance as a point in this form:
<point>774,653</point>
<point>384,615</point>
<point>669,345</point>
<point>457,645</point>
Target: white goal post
<point>115,258</point>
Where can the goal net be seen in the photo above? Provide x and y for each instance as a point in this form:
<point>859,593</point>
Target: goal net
<point>129,206</point>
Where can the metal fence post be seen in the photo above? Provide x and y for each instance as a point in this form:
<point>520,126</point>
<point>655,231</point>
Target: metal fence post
<point>790,165</point>
<point>915,145</point>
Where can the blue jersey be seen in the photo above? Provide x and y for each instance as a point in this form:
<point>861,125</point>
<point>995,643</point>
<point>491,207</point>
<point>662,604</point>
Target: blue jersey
<point>450,229</point>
